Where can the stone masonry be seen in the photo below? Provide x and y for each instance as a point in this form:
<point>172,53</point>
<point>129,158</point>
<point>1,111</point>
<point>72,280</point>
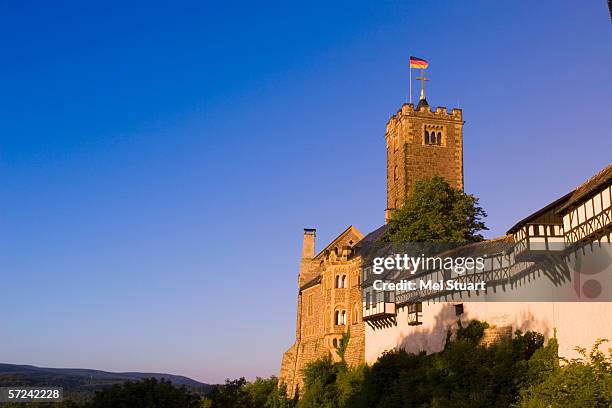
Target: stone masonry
<point>421,143</point>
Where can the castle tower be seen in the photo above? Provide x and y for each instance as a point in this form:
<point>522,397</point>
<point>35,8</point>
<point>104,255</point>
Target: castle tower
<point>422,143</point>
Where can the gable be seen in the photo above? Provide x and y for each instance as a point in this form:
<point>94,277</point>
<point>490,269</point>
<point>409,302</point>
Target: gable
<point>348,238</point>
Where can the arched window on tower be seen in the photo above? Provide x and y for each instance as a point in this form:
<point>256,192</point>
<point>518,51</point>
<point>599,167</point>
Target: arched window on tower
<point>343,317</point>
<point>439,141</point>
<point>344,281</point>
<point>337,318</point>
<point>338,281</point>
<point>427,137</point>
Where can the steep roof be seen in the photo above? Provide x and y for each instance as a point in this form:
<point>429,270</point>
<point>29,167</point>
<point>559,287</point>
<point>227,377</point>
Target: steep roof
<point>311,283</point>
<point>371,237</point>
<point>571,199</point>
<point>344,234</point>
<point>422,103</point>
<point>551,208</point>
<point>588,188</point>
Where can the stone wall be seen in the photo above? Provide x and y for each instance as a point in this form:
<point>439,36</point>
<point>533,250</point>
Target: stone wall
<point>410,158</point>
<point>318,301</point>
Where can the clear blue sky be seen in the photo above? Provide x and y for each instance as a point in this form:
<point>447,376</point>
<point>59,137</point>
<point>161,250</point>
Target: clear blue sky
<point>158,162</point>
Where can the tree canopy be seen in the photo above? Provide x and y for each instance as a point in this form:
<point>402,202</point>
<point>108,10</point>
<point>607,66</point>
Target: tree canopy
<point>437,212</point>
<point>148,393</point>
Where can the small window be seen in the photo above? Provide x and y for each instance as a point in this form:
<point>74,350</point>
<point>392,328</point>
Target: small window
<point>344,281</point>
<point>459,309</point>
<point>335,342</point>
<point>343,317</point>
<point>337,318</point>
<point>338,282</point>
<point>433,135</point>
<point>309,305</point>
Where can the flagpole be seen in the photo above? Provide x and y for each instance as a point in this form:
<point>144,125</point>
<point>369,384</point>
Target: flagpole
<point>410,81</point>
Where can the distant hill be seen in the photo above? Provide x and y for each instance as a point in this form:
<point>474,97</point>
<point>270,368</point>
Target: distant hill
<point>80,384</point>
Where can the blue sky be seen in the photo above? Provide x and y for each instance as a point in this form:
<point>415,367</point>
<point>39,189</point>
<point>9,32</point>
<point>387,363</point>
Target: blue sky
<point>159,161</point>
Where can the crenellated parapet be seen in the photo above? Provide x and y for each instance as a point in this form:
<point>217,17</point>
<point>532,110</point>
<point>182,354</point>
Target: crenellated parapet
<point>440,113</point>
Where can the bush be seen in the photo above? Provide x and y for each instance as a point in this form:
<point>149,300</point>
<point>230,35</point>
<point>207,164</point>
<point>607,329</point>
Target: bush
<point>464,374</point>
<point>581,383</point>
<point>262,393</point>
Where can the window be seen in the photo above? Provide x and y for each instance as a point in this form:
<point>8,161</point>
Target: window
<point>433,135</point>
<point>344,281</point>
<point>459,309</point>
<point>340,317</point>
<point>355,314</point>
<point>309,308</point>
<point>338,281</point>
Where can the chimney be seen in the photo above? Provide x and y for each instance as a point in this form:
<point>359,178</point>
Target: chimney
<point>308,245</point>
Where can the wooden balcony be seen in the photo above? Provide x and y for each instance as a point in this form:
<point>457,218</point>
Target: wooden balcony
<point>379,310</point>
<point>536,241</point>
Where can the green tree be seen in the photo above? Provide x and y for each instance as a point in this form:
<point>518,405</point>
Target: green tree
<point>147,393</point>
<point>464,374</point>
<point>262,393</point>
<point>343,344</point>
<point>229,395</point>
<point>584,382</point>
<point>321,390</point>
<point>260,390</point>
<point>436,212</point>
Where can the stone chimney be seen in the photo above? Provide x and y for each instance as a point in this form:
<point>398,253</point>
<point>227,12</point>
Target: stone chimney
<point>308,245</point>
<point>308,252</point>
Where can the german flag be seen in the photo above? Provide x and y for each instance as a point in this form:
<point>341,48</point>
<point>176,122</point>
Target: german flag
<point>418,63</point>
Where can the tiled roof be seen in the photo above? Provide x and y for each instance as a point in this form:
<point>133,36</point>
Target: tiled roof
<point>555,206</point>
<point>589,187</point>
<point>311,283</point>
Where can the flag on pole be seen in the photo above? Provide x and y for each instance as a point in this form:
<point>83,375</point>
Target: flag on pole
<point>418,63</point>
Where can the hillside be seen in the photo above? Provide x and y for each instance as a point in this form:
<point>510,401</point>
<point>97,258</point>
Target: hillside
<point>80,384</point>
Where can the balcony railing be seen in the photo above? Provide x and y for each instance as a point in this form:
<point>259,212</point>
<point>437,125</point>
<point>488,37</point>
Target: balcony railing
<point>535,240</point>
<point>378,310</point>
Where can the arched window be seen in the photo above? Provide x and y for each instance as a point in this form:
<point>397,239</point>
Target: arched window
<point>337,318</point>
<point>427,137</point>
<point>355,314</point>
<point>439,141</point>
<point>338,281</point>
<point>344,284</point>
<point>343,317</point>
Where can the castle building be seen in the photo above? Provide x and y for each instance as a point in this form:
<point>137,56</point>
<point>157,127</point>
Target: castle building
<point>535,274</point>
<point>551,273</point>
<point>420,143</point>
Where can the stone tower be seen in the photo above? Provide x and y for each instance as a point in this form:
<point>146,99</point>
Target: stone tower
<point>422,143</point>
